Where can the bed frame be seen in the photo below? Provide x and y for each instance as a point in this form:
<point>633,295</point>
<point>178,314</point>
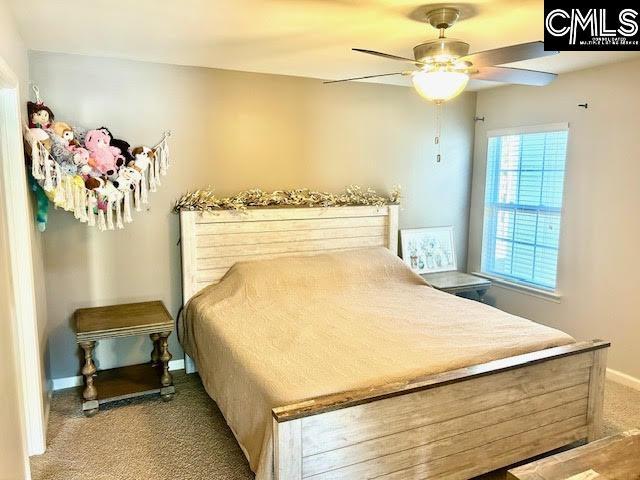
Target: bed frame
<point>453,425</point>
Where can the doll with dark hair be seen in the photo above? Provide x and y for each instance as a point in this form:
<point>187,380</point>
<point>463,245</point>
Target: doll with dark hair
<point>40,116</point>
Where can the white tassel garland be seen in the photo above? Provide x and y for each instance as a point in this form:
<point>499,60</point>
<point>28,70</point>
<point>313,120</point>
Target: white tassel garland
<point>82,208</point>
<point>127,207</point>
<point>48,182</point>
<point>151,171</point>
<point>164,158</point>
<point>91,202</point>
<point>36,161</point>
<point>136,197</point>
<point>110,215</point>
<point>57,174</point>
<point>76,202</point>
<point>59,197</point>
<point>102,226</point>
<point>156,172</point>
<point>119,223</point>
<point>144,196</point>
<point>68,193</point>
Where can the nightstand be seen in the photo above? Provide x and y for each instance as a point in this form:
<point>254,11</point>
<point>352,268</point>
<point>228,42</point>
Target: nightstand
<point>458,282</point>
<point>147,318</point>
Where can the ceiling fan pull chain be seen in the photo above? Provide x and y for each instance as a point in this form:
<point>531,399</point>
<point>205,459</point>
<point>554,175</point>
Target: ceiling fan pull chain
<point>438,131</point>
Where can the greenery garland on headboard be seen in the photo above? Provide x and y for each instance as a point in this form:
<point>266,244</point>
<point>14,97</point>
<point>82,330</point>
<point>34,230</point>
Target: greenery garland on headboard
<point>354,195</point>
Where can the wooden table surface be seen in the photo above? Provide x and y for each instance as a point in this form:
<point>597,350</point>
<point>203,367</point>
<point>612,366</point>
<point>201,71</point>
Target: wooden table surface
<point>616,457</point>
<point>122,320</point>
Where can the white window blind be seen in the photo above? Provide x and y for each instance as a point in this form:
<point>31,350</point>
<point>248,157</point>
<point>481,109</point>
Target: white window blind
<point>523,204</point>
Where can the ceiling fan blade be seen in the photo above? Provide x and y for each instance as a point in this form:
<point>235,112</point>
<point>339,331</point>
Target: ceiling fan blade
<point>387,55</point>
<point>514,75</point>
<point>513,53</point>
<point>362,78</point>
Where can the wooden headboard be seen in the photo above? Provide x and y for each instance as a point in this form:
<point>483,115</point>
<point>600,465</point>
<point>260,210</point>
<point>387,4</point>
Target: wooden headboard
<point>211,242</point>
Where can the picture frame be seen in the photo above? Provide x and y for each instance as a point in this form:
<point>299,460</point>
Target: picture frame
<point>429,249</point>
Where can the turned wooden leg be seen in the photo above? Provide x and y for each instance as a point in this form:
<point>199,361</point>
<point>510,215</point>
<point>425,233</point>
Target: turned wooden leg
<point>166,379</point>
<point>155,353</point>
<point>90,393</point>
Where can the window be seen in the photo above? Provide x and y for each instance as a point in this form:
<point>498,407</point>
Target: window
<point>523,204</point>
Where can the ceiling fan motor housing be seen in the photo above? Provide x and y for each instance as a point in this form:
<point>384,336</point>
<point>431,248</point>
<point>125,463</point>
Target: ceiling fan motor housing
<point>440,48</point>
<point>443,17</point>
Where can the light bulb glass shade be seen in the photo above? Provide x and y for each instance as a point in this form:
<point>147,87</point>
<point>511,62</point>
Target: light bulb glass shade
<point>439,85</point>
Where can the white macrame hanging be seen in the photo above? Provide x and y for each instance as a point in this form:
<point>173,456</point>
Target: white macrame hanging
<point>91,205</point>
<point>119,223</point>
<point>136,196</point>
<point>102,224</point>
<point>144,196</point>
<point>74,197</point>
<point>127,207</point>
<point>110,215</point>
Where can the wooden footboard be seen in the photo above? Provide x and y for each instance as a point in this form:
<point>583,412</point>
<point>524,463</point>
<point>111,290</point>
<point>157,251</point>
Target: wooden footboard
<point>453,425</point>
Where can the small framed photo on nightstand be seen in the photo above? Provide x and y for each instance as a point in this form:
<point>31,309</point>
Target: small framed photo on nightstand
<point>429,250</point>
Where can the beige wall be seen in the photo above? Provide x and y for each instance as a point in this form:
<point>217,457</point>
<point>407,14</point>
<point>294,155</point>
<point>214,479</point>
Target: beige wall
<point>12,49</point>
<point>599,254</point>
<point>233,131</point>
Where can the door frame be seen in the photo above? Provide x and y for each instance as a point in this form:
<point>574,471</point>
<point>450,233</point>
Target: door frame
<point>19,235</point>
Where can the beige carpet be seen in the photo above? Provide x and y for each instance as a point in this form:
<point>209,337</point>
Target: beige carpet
<point>186,438</point>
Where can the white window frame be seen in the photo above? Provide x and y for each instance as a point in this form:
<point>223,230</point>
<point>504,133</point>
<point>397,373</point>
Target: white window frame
<point>506,282</point>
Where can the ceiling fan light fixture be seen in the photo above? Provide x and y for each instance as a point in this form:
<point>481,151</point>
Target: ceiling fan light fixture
<point>439,85</point>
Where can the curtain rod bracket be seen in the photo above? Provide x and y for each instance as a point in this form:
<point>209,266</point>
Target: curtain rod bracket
<point>584,105</point>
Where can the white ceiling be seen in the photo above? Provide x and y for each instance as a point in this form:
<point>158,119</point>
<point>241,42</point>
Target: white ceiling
<point>308,38</point>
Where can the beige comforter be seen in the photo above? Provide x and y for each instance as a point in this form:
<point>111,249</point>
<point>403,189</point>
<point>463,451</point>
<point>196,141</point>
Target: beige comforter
<point>273,332</point>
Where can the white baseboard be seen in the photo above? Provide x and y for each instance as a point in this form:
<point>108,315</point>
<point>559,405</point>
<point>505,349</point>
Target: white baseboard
<point>176,364</point>
<point>66,382</point>
<point>69,382</point>
<point>623,378</point>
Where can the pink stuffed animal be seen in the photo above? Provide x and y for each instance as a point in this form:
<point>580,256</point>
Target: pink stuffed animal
<point>103,157</point>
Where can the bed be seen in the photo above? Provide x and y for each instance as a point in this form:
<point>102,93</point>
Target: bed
<point>289,346</point>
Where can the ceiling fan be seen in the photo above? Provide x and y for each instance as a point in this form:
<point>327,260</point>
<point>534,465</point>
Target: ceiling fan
<point>445,65</point>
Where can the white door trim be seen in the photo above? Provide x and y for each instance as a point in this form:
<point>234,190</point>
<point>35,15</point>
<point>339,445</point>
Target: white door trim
<point>15,199</point>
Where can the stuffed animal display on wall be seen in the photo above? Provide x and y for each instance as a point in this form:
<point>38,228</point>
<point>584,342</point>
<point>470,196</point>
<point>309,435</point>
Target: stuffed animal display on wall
<point>89,172</point>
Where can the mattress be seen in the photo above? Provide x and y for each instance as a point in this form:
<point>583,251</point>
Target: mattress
<point>284,330</point>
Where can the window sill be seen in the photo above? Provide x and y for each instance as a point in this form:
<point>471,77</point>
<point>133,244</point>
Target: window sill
<point>517,287</point>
